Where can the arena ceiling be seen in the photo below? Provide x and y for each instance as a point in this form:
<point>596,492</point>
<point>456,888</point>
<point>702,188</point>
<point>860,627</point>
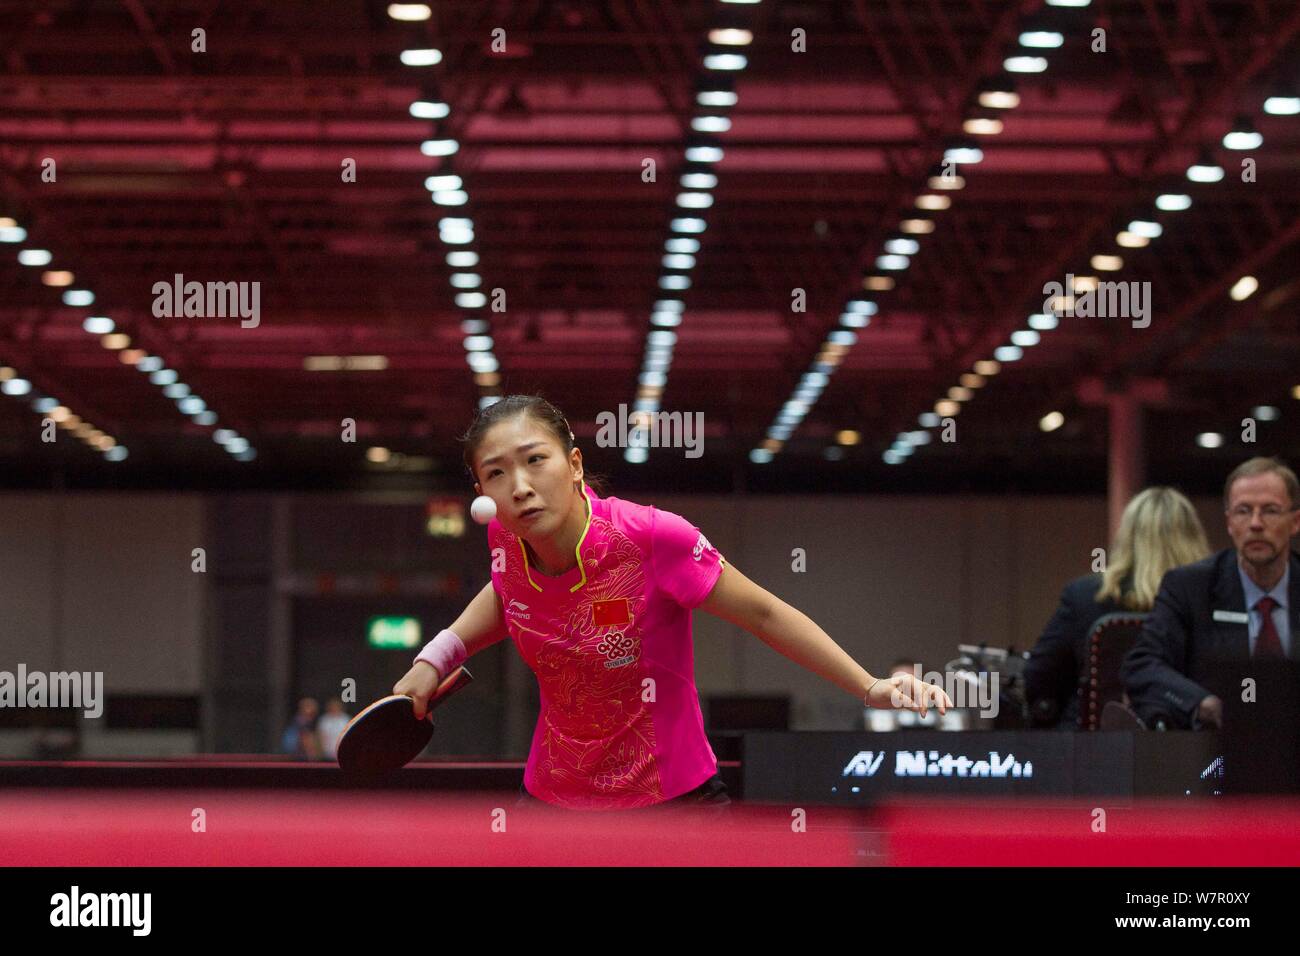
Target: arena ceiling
<point>231,164</point>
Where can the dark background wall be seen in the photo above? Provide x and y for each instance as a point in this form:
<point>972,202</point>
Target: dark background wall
<point>104,582</point>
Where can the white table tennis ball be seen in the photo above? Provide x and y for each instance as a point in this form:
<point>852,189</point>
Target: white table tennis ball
<point>483,509</point>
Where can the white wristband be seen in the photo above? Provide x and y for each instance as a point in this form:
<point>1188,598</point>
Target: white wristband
<point>445,652</point>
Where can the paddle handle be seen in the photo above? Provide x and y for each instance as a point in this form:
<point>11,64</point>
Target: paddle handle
<point>449,685</point>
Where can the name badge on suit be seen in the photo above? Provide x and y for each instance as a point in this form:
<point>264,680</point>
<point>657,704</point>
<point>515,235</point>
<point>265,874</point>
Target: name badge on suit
<point>1232,617</point>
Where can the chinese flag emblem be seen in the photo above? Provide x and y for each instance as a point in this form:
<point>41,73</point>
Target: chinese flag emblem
<point>605,613</point>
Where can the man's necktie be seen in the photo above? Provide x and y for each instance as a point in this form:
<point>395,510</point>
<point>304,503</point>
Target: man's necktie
<point>1267,644</point>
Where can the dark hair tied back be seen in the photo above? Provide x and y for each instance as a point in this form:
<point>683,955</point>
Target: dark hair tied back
<point>537,408</point>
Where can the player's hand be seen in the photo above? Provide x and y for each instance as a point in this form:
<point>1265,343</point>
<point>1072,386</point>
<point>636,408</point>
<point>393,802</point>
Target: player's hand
<point>1210,712</point>
<point>905,692</point>
<point>419,684</point>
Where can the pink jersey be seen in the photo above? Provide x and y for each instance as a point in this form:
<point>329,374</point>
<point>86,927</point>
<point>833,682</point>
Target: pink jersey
<point>610,643</point>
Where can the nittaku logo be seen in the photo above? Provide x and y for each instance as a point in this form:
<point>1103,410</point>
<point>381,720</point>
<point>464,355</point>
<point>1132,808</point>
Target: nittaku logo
<point>916,763</point>
<point>865,764</point>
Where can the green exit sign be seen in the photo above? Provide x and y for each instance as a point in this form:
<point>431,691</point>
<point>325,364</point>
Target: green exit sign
<point>394,632</point>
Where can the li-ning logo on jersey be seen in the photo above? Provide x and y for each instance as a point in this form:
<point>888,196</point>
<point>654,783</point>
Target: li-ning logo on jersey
<point>619,648</point>
<point>700,545</point>
<point>510,609</point>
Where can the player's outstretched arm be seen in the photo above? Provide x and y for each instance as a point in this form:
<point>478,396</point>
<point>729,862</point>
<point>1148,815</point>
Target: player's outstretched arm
<point>480,625</point>
<point>483,622</point>
<point>790,632</point>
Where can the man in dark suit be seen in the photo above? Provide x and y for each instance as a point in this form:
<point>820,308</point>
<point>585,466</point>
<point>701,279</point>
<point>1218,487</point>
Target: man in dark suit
<point>1238,604</point>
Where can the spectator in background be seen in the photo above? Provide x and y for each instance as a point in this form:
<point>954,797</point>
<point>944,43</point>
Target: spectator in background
<point>330,728</point>
<point>300,738</point>
<point>1159,530</point>
<point>57,743</point>
<point>1239,604</point>
<point>875,719</point>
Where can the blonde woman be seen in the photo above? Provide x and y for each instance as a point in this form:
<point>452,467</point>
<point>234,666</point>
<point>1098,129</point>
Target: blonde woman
<point>1159,530</point>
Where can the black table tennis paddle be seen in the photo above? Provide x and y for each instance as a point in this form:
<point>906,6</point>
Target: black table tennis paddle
<point>386,736</point>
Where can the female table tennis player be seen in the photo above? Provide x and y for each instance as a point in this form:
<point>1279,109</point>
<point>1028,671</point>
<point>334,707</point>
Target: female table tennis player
<point>597,595</point>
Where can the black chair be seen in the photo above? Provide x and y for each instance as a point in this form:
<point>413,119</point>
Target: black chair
<point>1112,637</point>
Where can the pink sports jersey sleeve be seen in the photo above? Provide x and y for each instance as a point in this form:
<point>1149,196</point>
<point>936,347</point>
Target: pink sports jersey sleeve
<point>686,565</point>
